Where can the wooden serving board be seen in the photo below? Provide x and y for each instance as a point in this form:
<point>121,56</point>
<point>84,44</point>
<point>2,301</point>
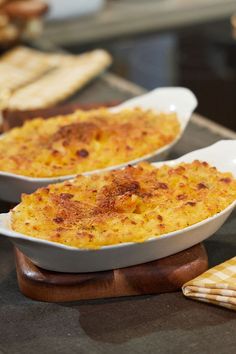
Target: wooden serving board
<point>164,275</point>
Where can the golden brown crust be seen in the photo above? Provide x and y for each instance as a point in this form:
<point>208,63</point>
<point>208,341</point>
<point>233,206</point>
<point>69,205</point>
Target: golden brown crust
<point>84,141</point>
<point>128,205</point>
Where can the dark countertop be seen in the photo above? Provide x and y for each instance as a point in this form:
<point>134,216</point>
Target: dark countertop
<point>123,17</point>
<point>166,323</point>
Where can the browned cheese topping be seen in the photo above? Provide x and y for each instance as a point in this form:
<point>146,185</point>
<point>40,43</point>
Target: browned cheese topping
<point>129,205</point>
<point>84,141</point>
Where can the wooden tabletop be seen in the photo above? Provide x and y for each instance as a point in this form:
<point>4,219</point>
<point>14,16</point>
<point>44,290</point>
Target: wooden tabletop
<point>165,323</point>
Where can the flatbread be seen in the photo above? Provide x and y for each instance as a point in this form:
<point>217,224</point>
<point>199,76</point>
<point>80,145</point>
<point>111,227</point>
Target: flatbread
<point>55,86</point>
<point>22,65</point>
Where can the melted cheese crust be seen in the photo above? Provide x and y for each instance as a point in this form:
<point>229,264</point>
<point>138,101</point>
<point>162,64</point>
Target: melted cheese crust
<point>128,205</point>
<point>84,141</point>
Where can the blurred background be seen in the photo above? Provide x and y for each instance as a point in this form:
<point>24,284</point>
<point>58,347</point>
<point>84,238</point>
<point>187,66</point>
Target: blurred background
<point>153,43</point>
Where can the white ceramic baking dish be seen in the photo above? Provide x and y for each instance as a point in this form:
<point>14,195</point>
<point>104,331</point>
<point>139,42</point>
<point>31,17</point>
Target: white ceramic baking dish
<point>57,257</point>
<point>180,100</point>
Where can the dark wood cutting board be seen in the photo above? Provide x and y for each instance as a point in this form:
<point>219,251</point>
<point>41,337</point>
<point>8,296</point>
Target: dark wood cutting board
<point>164,275</point>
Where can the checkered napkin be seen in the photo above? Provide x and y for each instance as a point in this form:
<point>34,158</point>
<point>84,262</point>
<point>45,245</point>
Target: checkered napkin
<point>216,286</point>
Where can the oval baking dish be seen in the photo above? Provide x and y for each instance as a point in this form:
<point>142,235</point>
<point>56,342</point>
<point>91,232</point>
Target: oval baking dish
<point>58,257</point>
<point>167,100</point>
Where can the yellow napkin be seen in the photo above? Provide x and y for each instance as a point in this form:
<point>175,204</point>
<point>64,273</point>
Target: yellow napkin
<point>216,286</point>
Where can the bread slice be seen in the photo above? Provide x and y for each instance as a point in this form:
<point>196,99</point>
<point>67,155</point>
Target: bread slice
<point>23,65</point>
<point>58,84</point>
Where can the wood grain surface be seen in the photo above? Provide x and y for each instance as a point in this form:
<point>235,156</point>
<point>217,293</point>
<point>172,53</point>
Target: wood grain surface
<point>164,275</point>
